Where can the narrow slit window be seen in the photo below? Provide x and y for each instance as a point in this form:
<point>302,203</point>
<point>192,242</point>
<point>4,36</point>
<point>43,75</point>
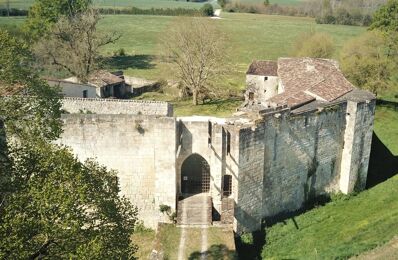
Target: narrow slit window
<point>210,130</point>
<point>227,185</point>
<point>85,93</point>
<point>228,143</point>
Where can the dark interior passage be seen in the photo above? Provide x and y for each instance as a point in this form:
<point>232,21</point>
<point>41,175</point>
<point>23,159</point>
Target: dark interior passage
<point>195,175</point>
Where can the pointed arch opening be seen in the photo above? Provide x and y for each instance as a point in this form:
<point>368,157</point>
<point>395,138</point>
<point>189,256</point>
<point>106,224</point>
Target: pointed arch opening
<point>195,175</point>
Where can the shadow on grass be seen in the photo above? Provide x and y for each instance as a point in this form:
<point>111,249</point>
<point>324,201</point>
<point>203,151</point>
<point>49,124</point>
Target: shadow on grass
<point>129,62</point>
<point>382,163</point>
<point>214,252</point>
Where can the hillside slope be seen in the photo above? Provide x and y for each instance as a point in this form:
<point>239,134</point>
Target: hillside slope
<point>343,228</point>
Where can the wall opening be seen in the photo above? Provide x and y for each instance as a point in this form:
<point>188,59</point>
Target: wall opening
<point>227,185</point>
<point>251,95</point>
<point>85,93</point>
<point>195,175</point>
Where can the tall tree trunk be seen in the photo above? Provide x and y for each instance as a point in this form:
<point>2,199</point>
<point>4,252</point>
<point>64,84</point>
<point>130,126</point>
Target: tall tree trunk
<point>195,97</point>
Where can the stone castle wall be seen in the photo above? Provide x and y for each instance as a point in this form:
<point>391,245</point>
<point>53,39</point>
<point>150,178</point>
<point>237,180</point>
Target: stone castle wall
<point>112,106</point>
<point>140,148</point>
<point>277,164</point>
<point>296,158</point>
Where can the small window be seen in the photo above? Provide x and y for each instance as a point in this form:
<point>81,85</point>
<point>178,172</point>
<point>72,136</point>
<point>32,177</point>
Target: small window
<point>85,93</point>
<point>265,78</point>
<point>251,96</point>
<point>228,143</point>
<point>227,185</point>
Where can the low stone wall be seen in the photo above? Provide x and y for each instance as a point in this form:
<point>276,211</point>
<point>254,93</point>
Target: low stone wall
<point>116,106</point>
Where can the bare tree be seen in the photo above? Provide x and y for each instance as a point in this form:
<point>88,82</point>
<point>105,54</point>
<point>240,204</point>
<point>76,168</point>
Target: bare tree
<point>197,50</point>
<point>74,43</point>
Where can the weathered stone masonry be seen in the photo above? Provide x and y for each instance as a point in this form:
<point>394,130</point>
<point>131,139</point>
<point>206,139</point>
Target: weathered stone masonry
<point>308,136</point>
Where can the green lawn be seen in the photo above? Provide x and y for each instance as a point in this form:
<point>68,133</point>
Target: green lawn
<point>340,229</point>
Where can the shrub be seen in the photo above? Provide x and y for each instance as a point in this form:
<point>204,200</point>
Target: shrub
<point>207,10</point>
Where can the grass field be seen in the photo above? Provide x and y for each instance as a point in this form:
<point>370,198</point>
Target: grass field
<point>249,37</point>
<point>145,4</point>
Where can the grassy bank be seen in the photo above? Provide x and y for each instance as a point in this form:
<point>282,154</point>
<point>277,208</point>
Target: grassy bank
<point>341,229</point>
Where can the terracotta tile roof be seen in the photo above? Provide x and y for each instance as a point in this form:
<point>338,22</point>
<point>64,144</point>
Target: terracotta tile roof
<point>104,78</point>
<point>263,68</point>
<point>307,79</point>
<point>293,100</point>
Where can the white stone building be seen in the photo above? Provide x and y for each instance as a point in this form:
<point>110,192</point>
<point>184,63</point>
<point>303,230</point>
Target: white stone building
<point>303,131</point>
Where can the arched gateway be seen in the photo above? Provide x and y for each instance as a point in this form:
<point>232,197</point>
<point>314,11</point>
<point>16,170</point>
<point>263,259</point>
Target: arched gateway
<point>195,175</point>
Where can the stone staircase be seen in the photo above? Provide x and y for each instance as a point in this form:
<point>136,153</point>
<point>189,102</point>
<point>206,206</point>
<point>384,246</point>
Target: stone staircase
<point>195,210</point>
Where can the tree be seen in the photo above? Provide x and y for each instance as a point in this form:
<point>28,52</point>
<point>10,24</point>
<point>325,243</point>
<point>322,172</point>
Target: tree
<point>365,62</point>
<point>314,45</point>
<point>24,116</point>
<point>386,18</point>
<point>44,13</point>
<point>196,48</point>
<point>74,43</point>
<point>63,209</point>
<point>51,205</point>
<point>207,10</point>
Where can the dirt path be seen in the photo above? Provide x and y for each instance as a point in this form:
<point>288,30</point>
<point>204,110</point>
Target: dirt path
<point>385,252</point>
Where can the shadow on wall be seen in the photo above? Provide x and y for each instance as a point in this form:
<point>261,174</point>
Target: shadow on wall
<point>129,62</point>
<point>214,252</point>
<point>382,163</point>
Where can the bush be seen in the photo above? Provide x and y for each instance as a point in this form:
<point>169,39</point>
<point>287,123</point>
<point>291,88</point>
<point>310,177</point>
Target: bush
<point>247,238</point>
<point>120,52</point>
<point>314,45</point>
<point>207,10</point>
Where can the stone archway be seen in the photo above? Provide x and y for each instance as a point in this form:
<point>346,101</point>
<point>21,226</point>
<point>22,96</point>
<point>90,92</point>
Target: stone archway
<point>195,175</point>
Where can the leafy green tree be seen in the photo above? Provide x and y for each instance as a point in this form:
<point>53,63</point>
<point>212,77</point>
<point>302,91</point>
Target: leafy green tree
<point>386,18</point>
<point>26,117</point>
<point>365,62</point>
<point>63,209</point>
<point>207,10</point>
<point>314,45</point>
<point>44,13</point>
<point>51,205</point>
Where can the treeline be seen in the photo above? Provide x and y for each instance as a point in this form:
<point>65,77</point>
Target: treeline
<point>204,11</point>
<point>347,12</point>
<point>154,11</point>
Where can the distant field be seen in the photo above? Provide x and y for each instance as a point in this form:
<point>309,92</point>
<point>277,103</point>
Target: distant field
<point>249,37</point>
<point>145,4</point>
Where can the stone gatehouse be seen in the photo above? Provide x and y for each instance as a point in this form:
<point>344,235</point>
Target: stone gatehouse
<point>308,136</point>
